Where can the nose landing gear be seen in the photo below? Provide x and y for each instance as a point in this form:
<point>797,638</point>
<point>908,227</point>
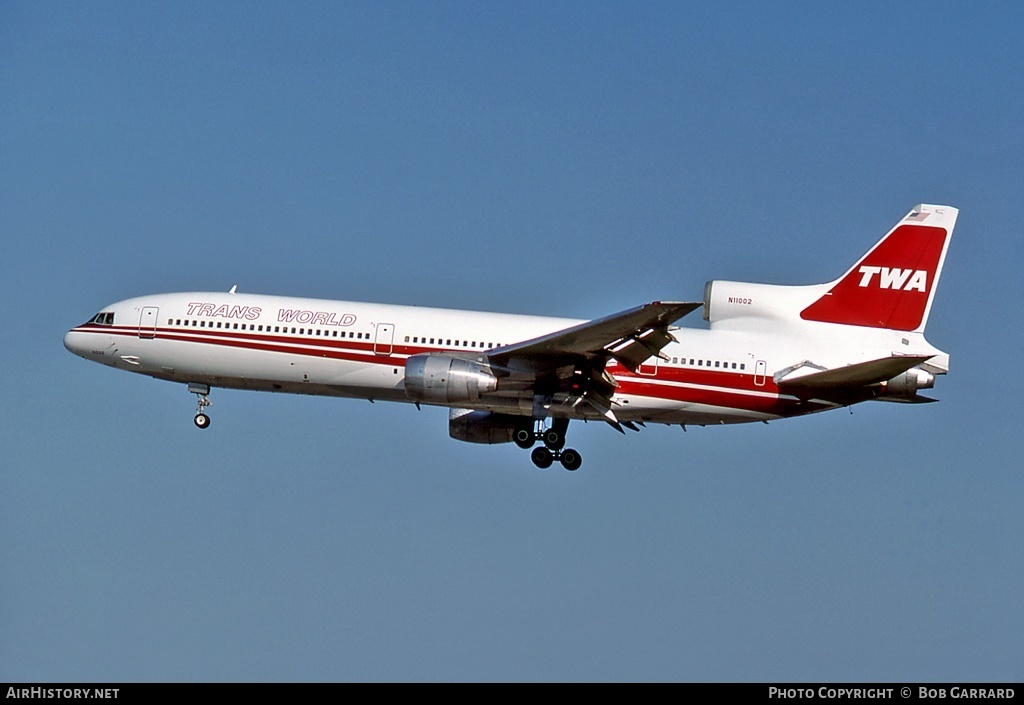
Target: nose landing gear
<point>201,391</point>
<point>553,439</point>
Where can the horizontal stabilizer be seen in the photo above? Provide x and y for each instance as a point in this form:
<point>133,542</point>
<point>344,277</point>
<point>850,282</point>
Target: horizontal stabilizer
<point>861,374</point>
<point>916,399</point>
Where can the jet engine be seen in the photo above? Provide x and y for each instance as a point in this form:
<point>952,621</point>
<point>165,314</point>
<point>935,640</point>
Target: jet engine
<point>906,385</point>
<point>443,379</point>
<point>482,426</point>
<point>729,302</point>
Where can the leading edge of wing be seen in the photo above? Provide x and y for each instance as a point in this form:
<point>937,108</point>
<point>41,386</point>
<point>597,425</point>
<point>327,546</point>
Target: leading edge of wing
<point>619,335</point>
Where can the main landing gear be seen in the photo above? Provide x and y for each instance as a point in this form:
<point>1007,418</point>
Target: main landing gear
<point>553,438</point>
<point>201,391</point>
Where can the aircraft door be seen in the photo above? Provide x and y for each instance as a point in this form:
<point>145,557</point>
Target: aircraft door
<point>384,338</point>
<point>759,373</point>
<point>649,366</point>
<point>147,321</point>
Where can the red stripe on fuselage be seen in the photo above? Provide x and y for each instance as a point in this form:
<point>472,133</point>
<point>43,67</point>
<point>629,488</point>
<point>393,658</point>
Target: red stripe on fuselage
<point>724,389</point>
<point>680,384</point>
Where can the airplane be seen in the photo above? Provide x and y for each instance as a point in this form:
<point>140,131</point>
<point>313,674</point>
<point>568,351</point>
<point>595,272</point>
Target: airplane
<point>768,352</point>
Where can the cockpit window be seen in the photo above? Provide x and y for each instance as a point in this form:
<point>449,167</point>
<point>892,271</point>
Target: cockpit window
<point>103,319</point>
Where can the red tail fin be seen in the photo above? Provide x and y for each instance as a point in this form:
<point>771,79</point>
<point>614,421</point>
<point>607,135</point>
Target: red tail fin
<point>892,286</point>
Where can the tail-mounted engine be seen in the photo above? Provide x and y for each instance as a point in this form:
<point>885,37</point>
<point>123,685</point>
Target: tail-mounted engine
<point>731,301</point>
<point>444,379</point>
<point>905,386</point>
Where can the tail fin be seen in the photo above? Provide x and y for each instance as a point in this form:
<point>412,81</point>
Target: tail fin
<point>893,285</point>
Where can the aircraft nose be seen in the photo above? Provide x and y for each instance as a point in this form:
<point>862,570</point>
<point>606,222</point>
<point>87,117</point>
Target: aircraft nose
<point>73,341</point>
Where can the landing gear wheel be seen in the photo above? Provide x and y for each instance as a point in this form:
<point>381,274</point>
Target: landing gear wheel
<point>201,421</point>
<point>524,437</point>
<point>571,459</point>
<point>542,457</point>
<point>553,438</point>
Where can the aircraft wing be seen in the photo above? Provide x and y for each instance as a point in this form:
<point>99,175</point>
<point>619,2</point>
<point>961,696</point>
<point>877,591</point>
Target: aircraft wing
<point>568,366</point>
<point>629,336</point>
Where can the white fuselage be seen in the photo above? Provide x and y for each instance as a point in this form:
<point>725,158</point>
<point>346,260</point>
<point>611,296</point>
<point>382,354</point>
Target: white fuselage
<point>349,349</point>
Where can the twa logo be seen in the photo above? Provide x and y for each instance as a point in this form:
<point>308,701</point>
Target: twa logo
<point>895,278</point>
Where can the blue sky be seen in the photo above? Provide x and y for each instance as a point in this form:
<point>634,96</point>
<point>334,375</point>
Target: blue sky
<point>571,159</point>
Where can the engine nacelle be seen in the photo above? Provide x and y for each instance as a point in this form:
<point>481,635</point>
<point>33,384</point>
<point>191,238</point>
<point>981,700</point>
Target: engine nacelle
<point>906,385</point>
<point>481,426</point>
<point>727,301</point>
<point>443,379</point>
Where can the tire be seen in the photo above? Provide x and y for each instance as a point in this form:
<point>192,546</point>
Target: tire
<point>523,437</point>
<point>571,459</point>
<point>201,421</point>
<point>542,457</point>
<point>553,439</point>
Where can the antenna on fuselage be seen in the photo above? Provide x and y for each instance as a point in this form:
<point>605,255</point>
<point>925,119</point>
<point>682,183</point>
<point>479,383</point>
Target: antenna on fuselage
<point>233,288</point>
